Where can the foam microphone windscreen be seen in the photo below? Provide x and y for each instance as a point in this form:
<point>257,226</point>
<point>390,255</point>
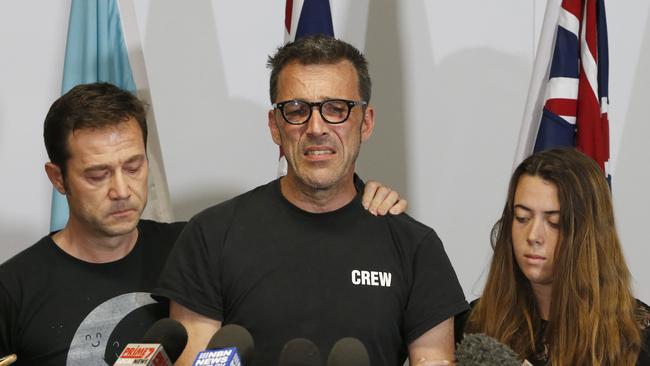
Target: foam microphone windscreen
<point>348,352</point>
<point>482,350</point>
<point>233,335</point>
<point>170,334</point>
<point>300,352</point>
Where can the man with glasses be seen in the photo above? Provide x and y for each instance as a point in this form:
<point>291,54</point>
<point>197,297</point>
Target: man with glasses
<point>299,257</point>
<point>79,295</point>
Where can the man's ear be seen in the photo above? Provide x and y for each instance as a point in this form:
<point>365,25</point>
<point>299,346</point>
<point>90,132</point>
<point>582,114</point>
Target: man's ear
<point>273,127</point>
<point>55,175</point>
<point>368,123</point>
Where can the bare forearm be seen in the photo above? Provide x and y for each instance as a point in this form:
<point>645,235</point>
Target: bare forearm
<point>435,346</point>
<point>199,331</point>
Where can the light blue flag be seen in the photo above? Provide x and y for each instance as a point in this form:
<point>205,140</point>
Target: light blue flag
<point>95,51</point>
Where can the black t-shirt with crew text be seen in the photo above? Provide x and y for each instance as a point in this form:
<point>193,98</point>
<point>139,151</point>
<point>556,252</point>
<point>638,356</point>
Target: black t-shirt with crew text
<point>284,273</point>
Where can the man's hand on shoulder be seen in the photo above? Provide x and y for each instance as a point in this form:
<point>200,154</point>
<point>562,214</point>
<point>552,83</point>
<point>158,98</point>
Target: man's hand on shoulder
<point>380,200</point>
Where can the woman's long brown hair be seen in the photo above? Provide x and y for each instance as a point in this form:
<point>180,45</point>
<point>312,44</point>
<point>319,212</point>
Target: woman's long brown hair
<point>591,320</point>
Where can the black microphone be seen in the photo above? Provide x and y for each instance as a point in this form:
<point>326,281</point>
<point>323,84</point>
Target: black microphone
<point>300,352</point>
<point>232,344</point>
<point>348,352</point>
<point>161,345</point>
<point>170,334</point>
<point>481,350</point>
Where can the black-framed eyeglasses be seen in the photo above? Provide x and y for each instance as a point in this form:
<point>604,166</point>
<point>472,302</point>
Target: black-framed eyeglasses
<point>333,111</point>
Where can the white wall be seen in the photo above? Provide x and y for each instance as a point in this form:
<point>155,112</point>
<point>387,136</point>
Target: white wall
<point>32,47</point>
<point>450,82</point>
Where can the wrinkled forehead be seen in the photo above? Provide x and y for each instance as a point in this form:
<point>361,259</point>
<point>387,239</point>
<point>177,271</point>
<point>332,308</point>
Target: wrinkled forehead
<point>318,80</point>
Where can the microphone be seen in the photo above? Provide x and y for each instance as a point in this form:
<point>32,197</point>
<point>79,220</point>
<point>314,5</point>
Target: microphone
<point>348,352</point>
<point>300,352</point>
<point>161,345</point>
<point>231,345</point>
<point>482,350</point>
<point>170,334</point>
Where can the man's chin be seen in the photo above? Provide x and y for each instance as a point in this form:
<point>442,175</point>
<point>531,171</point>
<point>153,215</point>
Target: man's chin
<point>320,181</point>
<point>119,228</point>
<point>323,177</point>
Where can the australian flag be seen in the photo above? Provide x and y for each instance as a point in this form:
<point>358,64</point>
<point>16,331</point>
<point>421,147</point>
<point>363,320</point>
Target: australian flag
<point>303,18</point>
<point>307,17</point>
<point>575,108</point>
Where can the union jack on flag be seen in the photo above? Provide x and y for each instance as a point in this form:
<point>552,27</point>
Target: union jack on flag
<point>303,18</point>
<point>575,108</point>
<point>307,17</point>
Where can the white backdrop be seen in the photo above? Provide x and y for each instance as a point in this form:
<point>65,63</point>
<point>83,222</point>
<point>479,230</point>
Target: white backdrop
<point>450,82</point>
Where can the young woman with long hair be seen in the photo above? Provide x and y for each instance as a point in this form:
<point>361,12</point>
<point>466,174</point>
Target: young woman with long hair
<point>558,290</point>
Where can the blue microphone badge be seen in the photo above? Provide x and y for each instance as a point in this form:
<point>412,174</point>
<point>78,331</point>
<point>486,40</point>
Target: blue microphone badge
<point>218,357</point>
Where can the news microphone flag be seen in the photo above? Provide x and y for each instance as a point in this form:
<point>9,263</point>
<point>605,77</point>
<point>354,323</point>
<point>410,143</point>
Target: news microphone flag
<point>303,18</point>
<point>143,354</point>
<point>570,107</point>
<point>218,357</point>
<point>232,337</point>
<point>96,51</point>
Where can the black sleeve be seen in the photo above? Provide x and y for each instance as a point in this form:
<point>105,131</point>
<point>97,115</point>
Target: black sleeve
<point>460,321</point>
<point>191,276</point>
<point>8,316</point>
<point>644,356</point>
<point>459,325</point>
<point>436,294</point>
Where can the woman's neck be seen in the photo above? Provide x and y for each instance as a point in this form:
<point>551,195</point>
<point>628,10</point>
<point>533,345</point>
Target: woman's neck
<point>542,294</point>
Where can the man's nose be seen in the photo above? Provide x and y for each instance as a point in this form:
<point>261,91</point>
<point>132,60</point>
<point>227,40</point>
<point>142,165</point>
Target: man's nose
<point>119,187</point>
<point>316,125</point>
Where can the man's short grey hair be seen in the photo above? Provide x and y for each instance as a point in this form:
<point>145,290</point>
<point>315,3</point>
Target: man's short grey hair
<point>319,49</point>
